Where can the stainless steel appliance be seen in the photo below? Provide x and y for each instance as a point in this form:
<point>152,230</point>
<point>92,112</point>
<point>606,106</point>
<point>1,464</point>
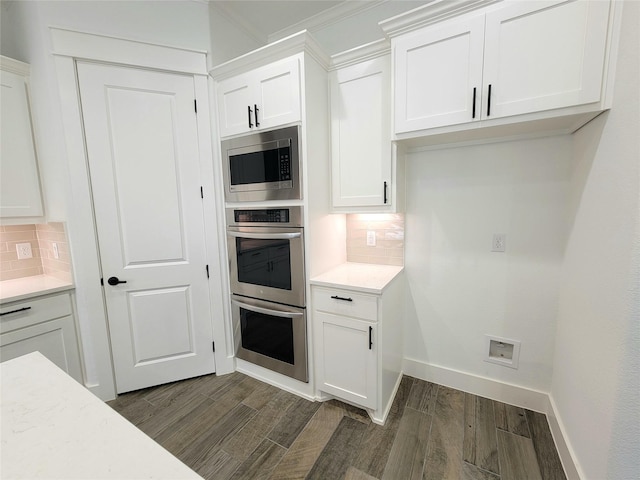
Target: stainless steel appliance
<point>262,166</point>
<point>271,335</point>
<point>266,254</point>
<point>266,264</point>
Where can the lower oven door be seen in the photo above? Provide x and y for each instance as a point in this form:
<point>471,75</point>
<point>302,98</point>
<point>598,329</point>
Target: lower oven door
<point>271,335</point>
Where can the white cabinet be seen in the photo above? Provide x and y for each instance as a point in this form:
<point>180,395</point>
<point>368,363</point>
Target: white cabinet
<point>45,324</point>
<point>358,343</point>
<point>361,149</point>
<point>542,56</point>
<point>438,75</point>
<point>260,99</point>
<point>20,194</point>
<point>512,59</point>
<point>346,326</point>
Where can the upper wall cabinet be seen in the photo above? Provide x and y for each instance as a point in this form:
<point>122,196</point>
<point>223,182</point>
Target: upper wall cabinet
<point>510,62</point>
<point>362,161</point>
<point>260,99</point>
<point>19,181</point>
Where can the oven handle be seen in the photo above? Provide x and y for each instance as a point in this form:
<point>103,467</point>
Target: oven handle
<point>264,236</point>
<point>267,311</point>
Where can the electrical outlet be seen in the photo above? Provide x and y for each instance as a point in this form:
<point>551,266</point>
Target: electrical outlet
<point>371,238</point>
<point>56,252</point>
<point>24,250</point>
<point>499,243</point>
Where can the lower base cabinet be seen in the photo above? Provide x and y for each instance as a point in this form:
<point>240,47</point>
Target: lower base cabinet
<point>45,324</point>
<point>358,345</point>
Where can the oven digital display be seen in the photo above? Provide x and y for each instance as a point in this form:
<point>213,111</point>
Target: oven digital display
<point>270,215</point>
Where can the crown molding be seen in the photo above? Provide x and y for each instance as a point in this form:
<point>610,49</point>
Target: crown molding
<point>433,12</point>
<point>297,43</point>
<point>359,54</point>
<point>327,17</point>
<point>14,66</point>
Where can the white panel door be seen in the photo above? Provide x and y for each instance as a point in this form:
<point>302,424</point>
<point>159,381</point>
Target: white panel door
<point>141,137</point>
<point>277,93</point>
<point>436,73</point>
<point>347,358</point>
<point>361,134</point>
<point>544,55</point>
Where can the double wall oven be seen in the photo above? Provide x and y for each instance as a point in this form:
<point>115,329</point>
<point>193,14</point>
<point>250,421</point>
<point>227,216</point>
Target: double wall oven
<point>266,259</point>
<point>266,251</point>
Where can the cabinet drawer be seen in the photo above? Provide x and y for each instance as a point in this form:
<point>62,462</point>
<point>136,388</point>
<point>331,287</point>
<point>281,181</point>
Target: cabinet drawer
<point>345,302</point>
<point>30,312</point>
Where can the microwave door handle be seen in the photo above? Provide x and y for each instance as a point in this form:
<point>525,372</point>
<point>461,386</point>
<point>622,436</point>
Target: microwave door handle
<point>266,311</point>
<point>266,236</point>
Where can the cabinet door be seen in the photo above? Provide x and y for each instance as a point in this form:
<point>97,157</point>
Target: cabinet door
<point>19,181</point>
<point>544,55</point>
<point>361,134</point>
<point>437,71</point>
<point>346,360</point>
<point>277,93</point>
<point>55,339</point>
<point>235,98</point>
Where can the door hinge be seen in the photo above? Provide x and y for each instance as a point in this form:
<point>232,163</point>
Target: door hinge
<point>213,345</point>
<point>195,105</point>
<point>207,267</point>
<point>201,193</point>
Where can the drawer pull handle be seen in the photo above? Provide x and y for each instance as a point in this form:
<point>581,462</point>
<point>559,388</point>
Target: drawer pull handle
<point>336,297</point>
<point>370,337</point>
<point>15,311</point>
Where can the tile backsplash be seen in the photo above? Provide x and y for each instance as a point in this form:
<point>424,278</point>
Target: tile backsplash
<point>41,237</point>
<point>389,233</point>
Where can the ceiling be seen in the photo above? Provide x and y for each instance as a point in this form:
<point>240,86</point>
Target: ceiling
<point>270,20</point>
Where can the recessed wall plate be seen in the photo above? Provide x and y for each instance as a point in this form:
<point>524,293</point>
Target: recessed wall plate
<point>502,351</point>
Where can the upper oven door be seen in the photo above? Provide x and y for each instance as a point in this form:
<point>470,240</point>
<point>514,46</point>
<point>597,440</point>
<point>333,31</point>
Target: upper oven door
<point>262,166</point>
<point>267,263</point>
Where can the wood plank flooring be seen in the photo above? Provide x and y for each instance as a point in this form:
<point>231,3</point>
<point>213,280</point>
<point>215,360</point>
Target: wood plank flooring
<point>235,427</point>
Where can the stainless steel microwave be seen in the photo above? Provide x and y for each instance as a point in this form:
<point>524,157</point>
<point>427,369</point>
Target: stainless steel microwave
<point>262,166</point>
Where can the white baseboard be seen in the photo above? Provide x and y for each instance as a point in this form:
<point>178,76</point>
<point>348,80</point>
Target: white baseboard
<point>505,393</point>
<point>482,386</point>
<point>567,456</point>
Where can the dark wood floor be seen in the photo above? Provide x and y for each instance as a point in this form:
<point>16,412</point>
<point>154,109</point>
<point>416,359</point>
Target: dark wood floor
<point>235,427</point>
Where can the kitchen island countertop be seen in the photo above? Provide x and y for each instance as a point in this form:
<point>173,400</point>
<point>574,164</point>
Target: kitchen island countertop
<point>52,427</point>
<point>361,277</point>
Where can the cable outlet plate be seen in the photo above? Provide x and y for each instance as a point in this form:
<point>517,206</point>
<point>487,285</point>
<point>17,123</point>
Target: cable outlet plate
<point>24,251</point>
<point>502,351</point>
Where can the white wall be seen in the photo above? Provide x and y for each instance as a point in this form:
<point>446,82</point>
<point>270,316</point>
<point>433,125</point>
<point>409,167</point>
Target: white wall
<point>596,379</point>
<point>228,39</point>
<point>459,290</point>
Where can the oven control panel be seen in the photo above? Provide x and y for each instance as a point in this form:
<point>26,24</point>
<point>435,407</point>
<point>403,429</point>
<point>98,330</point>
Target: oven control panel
<point>270,215</point>
<point>279,216</point>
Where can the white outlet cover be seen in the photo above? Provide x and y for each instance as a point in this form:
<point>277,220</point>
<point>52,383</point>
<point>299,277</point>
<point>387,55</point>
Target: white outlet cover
<point>371,238</point>
<point>499,243</point>
<point>24,251</point>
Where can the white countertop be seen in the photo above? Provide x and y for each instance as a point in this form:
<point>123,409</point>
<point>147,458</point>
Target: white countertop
<point>52,427</point>
<point>29,287</point>
<point>361,277</point>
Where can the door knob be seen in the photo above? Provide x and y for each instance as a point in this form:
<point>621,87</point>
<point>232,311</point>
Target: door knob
<point>115,281</point>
